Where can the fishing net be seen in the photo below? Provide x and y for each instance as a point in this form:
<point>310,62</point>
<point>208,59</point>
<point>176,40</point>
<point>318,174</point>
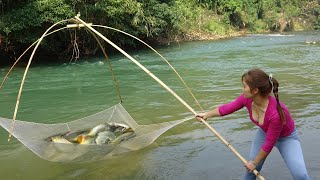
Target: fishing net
<point>49,141</point>
<point>35,136</point>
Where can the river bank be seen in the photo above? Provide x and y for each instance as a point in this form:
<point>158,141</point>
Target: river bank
<point>199,36</point>
<point>188,37</point>
<point>161,41</point>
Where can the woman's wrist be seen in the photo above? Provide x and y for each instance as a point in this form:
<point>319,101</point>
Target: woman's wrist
<point>207,115</point>
<point>254,163</point>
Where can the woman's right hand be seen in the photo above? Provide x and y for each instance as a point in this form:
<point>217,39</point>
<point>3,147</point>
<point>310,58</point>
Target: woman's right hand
<point>203,116</point>
<point>206,115</point>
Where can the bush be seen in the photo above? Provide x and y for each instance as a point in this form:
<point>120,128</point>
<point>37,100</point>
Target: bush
<point>215,26</point>
<point>259,26</point>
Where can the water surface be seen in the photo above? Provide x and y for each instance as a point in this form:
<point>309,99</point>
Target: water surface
<point>212,69</point>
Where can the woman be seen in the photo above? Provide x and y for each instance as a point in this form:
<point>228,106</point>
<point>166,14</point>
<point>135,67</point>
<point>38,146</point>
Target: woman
<point>272,116</point>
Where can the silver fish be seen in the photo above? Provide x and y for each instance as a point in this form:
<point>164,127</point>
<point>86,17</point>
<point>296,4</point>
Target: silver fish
<point>94,131</point>
<point>123,137</point>
<point>119,127</point>
<point>105,137</point>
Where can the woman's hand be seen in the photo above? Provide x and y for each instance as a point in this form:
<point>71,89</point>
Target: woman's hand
<point>208,114</point>
<point>250,166</point>
<point>203,116</point>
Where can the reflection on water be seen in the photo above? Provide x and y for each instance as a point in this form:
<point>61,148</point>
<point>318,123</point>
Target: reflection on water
<point>212,69</point>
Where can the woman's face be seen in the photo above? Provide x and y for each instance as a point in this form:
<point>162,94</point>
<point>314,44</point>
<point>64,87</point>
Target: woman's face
<point>246,90</point>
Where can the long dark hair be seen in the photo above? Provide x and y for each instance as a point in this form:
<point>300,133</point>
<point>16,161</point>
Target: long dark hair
<point>256,78</point>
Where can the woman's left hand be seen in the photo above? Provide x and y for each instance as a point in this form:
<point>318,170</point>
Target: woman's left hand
<point>250,166</point>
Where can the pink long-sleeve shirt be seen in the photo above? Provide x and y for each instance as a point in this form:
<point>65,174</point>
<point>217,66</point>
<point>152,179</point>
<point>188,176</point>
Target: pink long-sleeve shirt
<point>272,124</point>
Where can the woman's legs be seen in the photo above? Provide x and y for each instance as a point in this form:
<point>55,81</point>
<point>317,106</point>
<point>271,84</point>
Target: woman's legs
<point>255,148</point>
<point>290,149</point>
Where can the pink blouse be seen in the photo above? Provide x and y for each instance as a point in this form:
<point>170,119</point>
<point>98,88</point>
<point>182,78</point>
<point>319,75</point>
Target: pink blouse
<point>272,124</point>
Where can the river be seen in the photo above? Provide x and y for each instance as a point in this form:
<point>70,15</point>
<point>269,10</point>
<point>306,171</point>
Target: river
<point>56,93</point>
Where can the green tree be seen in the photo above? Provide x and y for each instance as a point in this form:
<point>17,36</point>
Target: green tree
<point>23,21</point>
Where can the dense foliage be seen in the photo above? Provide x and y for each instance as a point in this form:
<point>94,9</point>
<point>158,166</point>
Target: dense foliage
<point>24,21</point>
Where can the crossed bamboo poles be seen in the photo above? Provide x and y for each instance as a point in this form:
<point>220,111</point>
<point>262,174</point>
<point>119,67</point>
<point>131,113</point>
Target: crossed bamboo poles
<point>81,23</point>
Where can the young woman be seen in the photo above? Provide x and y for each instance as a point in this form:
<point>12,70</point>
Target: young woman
<point>272,116</point>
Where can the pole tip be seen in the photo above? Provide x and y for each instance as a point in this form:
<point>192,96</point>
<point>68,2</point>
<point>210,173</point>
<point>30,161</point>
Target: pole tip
<point>9,138</point>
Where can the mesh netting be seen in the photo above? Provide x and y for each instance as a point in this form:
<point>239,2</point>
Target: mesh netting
<point>35,136</point>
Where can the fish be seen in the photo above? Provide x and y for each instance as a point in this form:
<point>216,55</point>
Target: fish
<point>73,135</point>
<point>60,139</point>
<point>128,130</point>
<point>119,126</point>
<point>94,131</point>
<point>105,137</point>
<point>83,139</point>
<point>123,137</point>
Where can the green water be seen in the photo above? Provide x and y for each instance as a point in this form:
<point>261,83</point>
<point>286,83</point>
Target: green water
<point>212,69</point>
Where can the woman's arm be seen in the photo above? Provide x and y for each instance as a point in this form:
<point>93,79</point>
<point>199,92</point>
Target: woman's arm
<point>272,136</point>
<point>225,109</point>
<point>262,155</point>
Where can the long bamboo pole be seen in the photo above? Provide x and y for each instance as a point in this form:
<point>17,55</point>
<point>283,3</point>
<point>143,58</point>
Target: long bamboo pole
<point>172,92</point>
<point>107,27</point>
<point>110,66</point>
<point>176,72</point>
<point>14,64</point>
<point>25,75</point>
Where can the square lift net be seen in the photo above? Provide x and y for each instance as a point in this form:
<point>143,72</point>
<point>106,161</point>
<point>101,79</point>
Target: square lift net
<point>35,135</point>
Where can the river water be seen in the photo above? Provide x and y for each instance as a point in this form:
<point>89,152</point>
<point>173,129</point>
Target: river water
<point>63,92</point>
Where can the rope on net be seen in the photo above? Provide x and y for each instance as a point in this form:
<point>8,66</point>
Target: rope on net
<point>75,50</point>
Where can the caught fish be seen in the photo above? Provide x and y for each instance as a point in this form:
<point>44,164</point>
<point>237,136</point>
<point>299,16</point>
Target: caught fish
<point>128,130</point>
<point>123,137</point>
<point>119,126</point>
<point>94,131</point>
<point>73,135</point>
<point>105,137</point>
<point>83,139</point>
<point>59,139</point>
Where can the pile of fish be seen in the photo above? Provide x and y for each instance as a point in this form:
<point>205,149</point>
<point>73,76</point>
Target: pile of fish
<point>105,133</point>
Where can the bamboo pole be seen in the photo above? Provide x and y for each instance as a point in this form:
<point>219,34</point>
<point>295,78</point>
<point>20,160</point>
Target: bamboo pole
<point>107,27</point>
<point>172,92</point>
<point>24,77</point>
<point>14,64</point>
<point>77,25</point>
<point>185,84</point>
<point>109,63</point>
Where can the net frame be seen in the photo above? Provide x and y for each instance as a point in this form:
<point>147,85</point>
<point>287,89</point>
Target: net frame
<point>34,136</point>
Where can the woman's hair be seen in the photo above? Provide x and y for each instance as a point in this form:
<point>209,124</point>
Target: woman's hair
<point>256,78</point>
